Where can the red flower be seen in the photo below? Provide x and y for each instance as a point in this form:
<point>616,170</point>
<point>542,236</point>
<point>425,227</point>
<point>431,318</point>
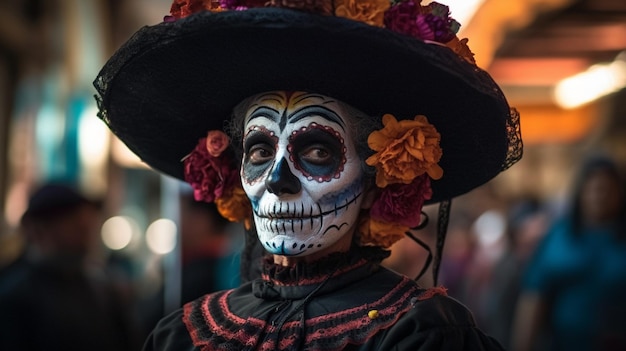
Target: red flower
<point>402,203</point>
<point>209,175</point>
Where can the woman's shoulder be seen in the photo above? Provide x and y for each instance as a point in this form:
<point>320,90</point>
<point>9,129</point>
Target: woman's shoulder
<point>170,334</point>
<point>177,330</point>
<point>436,321</point>
<point>433,307</point>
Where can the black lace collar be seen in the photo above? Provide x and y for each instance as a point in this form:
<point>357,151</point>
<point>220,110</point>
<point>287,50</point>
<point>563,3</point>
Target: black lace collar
<point>334,271</point>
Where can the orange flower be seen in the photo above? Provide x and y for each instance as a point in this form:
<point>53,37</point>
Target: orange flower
<point>460,48</point>
<point>184,8</point>
<point>405,150</point>
<point>371,12</point>
<point>234,205</point>
<point>380,233</point>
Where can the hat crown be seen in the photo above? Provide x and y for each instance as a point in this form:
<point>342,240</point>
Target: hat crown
<point>430,23</point>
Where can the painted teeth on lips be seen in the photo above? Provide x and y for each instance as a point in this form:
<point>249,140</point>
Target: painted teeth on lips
<point>299,215</point>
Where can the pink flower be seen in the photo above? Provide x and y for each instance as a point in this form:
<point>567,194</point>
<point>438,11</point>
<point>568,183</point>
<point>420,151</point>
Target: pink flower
<point>209,175</point>
<point>402,203</point>
<point>216,142</point>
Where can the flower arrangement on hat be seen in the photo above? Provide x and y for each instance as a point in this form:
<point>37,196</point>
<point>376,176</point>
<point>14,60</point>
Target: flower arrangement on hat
<point>406,158</point>
<point>211,171</point>
<point>430,23</point>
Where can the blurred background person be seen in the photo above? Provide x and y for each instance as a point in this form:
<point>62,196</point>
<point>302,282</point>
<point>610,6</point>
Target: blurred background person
<point>574,288</point>
<point>209,254</point>
<point>458,252</point>
<point>208,250</point>
<point>526,224</point>
<point>52,297</point>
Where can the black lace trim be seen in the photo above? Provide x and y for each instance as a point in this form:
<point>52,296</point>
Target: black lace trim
<point>515,146</point>
<point>322,268</point>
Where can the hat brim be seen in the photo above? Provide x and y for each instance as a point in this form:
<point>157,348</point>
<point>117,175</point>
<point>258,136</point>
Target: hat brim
<point>172,82</point>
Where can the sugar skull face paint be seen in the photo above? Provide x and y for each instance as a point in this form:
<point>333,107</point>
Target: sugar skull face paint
<point>301,172</point>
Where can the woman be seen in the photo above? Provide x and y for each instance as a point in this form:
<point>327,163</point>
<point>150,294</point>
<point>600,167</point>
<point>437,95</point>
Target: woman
<point>329,161</point>
<point>574,287</point>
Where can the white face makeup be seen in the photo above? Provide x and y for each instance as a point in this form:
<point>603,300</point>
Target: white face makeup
<point>301,172</point>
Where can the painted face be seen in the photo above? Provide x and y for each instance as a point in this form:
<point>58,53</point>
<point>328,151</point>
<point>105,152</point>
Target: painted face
<point>301,172</point>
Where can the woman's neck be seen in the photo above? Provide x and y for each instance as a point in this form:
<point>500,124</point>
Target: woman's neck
<point>342,245</point>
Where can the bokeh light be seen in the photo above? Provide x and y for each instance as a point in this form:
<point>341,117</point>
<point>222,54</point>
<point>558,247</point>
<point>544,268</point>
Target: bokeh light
<point>161,236</point>
<point>117,232</point>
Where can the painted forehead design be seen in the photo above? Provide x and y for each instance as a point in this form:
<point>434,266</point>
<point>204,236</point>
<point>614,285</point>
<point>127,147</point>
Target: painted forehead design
<point>290,107</point>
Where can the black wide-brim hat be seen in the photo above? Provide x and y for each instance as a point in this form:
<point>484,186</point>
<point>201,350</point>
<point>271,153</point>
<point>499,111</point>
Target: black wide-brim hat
<point>171,83</point>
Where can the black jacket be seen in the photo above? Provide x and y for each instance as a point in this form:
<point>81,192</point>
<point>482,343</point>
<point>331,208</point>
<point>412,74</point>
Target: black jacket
<point>346,302</point>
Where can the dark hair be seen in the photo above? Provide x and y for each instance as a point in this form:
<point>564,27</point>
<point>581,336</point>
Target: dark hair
<point>519,213</point>
<point>590,166</point>
<point>52,201</point>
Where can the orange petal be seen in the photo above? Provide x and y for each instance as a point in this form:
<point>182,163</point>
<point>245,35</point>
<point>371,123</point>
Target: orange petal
<point>389,119</point>
<point>381,181</point>
<point>372,160</point>
<point>416,153</point>
<point>377,141</point>
<point>435,171</point>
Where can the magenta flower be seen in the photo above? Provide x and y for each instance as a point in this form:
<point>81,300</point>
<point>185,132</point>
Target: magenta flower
<point>402,203</point>
<point>209,175</point>
<point>432,22</point>
<point>401,18</point>
<point>241,5</point>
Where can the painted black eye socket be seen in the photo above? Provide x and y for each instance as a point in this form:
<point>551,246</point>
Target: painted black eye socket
<point>317,155</point>
<point>260,154</point>
<point>259,148</point>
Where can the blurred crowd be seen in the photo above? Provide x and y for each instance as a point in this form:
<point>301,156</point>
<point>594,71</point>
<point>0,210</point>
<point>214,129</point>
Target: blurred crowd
<point>61,289</point>
<point>540,274</point>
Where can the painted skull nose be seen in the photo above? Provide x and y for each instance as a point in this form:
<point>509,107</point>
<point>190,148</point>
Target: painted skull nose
<point>282,181</point>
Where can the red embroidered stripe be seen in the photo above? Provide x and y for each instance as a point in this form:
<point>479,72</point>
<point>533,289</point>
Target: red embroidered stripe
<point>438,290</point>
<point>212,323</point>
